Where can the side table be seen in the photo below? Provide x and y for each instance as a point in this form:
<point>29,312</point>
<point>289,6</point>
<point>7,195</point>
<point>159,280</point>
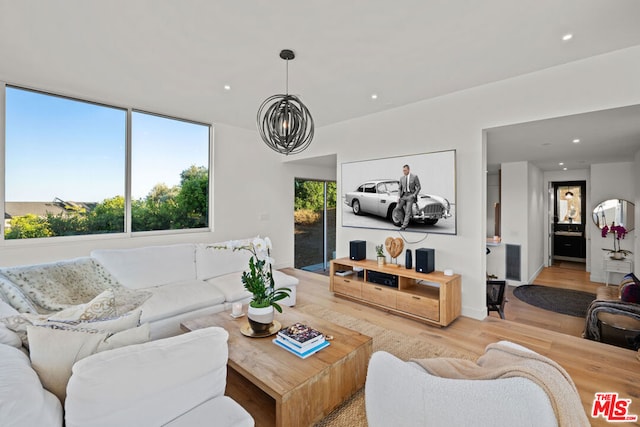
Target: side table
<point>624,266</point>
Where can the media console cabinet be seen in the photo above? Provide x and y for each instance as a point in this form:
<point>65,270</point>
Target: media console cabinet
<point>433,298</point>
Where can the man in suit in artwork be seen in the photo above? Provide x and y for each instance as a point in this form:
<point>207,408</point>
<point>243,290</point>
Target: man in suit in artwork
<point>409,190</point>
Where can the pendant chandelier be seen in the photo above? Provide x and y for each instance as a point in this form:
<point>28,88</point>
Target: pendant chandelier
<point>284,122</point>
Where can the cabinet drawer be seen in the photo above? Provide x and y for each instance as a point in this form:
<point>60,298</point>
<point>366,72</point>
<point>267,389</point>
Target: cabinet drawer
<point>418,305</point>
<point>380,295</point>
<point>347,287</point>
<point>618,266</point>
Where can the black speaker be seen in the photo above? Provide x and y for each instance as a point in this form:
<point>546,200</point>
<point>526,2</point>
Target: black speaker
<point>408,259</point>
<point>425,260</point>
<point>357,249</point>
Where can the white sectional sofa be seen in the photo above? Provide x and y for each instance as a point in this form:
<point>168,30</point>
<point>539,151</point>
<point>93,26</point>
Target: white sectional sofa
<point>173,379</point>
<point>181,282</point>
<point>186,281</point>
<point>177,381</point>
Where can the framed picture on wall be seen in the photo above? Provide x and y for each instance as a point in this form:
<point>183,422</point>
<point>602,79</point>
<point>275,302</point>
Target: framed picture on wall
<point>371,191</point>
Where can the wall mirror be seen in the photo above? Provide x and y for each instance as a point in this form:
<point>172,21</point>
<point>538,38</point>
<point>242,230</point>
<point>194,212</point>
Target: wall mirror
<point>614,210</point>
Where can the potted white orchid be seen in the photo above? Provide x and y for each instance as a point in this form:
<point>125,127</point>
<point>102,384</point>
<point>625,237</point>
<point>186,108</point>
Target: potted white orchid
<point>259,281</point>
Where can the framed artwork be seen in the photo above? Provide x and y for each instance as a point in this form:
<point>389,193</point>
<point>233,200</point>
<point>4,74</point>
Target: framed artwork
<point>371,190</point>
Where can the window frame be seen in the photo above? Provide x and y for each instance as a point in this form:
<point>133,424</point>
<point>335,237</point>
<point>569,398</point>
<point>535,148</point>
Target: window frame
<point>127,232</point>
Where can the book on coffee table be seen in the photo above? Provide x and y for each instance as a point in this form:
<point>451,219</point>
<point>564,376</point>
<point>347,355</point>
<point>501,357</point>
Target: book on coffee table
<point>301,336</point>
<point>302,353</point>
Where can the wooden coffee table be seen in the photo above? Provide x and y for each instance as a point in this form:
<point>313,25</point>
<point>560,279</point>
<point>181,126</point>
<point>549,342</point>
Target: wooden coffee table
<point>299,391</point>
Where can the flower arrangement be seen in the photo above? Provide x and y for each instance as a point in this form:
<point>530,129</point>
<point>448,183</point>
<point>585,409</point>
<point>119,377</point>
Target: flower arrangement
<point>618,232</point>
<point>259,279</point>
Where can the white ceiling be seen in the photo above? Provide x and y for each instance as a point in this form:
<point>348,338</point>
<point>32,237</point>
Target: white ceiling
<point>605,136</point>
<point>174,57</point>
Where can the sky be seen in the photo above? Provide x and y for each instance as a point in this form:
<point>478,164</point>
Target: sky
<point>75,151</point>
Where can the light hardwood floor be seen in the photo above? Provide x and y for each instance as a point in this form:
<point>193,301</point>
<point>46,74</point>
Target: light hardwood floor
<point>594,367</point>
<point>566,275</point>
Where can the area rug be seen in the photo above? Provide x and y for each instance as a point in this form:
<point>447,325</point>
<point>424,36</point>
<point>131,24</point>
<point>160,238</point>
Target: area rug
<point>563,301</point>
<point>352,412</point>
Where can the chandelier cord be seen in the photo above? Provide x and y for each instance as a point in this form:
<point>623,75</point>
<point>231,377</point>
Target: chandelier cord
<point>286,85</point>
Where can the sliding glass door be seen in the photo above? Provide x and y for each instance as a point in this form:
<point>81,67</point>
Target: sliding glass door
<point>315,224</point>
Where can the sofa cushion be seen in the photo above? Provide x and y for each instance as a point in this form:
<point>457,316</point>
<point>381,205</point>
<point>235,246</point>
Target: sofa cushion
<point>54,351</point>
<point>6,310</point>
<point>149,266</point>
<point>59,285</point>
<point>170,377</point>
<point>233,289</point>
<point>212,262</point>
<point>176,298</point>
<point>231,286</point>
<point>283,280</point>
<point>23,400</point>
<point>226,412</point>
<point>8,337</point>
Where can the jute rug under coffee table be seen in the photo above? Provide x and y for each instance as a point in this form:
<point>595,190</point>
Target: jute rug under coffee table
<point>302,391</point>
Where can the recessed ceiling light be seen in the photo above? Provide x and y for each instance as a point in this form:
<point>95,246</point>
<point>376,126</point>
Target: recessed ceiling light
<point>227,87</point>
<point>564,169</point>
<point>567,37</point>
<point>561,163</point>
<point>576,141</point>
<point>374,96</point>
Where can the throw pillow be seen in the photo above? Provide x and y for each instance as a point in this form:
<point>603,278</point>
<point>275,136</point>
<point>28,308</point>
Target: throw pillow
<point>629,288</point>
<point>19,324</point>
<point>6,310</point>
<point>54,351</point>
<point>9,337</point>
<point>102,306</point>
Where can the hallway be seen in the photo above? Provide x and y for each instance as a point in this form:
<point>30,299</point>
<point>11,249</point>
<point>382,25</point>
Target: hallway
<point>563,274</point>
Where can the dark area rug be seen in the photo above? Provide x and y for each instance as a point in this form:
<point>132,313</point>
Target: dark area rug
<point>564,301</point>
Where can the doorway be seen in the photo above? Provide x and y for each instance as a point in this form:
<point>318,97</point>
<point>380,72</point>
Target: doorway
<point>567,240</point>
<point>315,224</point>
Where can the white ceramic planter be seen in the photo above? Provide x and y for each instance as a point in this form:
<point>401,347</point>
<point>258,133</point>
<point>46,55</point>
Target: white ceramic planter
<point>260,319</point>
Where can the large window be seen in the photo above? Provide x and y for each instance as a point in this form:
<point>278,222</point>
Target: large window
<point>66,165</point>
<point>169,173</point>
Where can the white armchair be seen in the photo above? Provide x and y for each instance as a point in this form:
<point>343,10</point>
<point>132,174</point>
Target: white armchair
<point>175,381</point>
<point>401,393</point>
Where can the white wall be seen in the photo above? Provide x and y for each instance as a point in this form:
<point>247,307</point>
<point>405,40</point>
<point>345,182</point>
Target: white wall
<point>453,121</point>
<point>536,236</point>
<point>493,197</point>
<point>515,212</point>
<point>523,216</point>
<point>496,258</point>
<point>610,181</point>
<point>456,121</point>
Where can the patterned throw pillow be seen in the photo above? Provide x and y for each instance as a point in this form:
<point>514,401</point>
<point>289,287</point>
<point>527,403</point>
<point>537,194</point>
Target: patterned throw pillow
<point>630,289</point>
<point>101,307</point>
<point>20,323</point>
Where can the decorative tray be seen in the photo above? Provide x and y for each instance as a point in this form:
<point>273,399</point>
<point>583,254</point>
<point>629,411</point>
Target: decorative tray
<point>248,332</point>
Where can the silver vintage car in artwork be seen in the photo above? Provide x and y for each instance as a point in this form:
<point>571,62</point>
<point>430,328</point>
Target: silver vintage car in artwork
<point>380,197</point>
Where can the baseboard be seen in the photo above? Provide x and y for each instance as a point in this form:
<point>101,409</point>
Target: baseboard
<point>474,313</point>
<point>534,275</point>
